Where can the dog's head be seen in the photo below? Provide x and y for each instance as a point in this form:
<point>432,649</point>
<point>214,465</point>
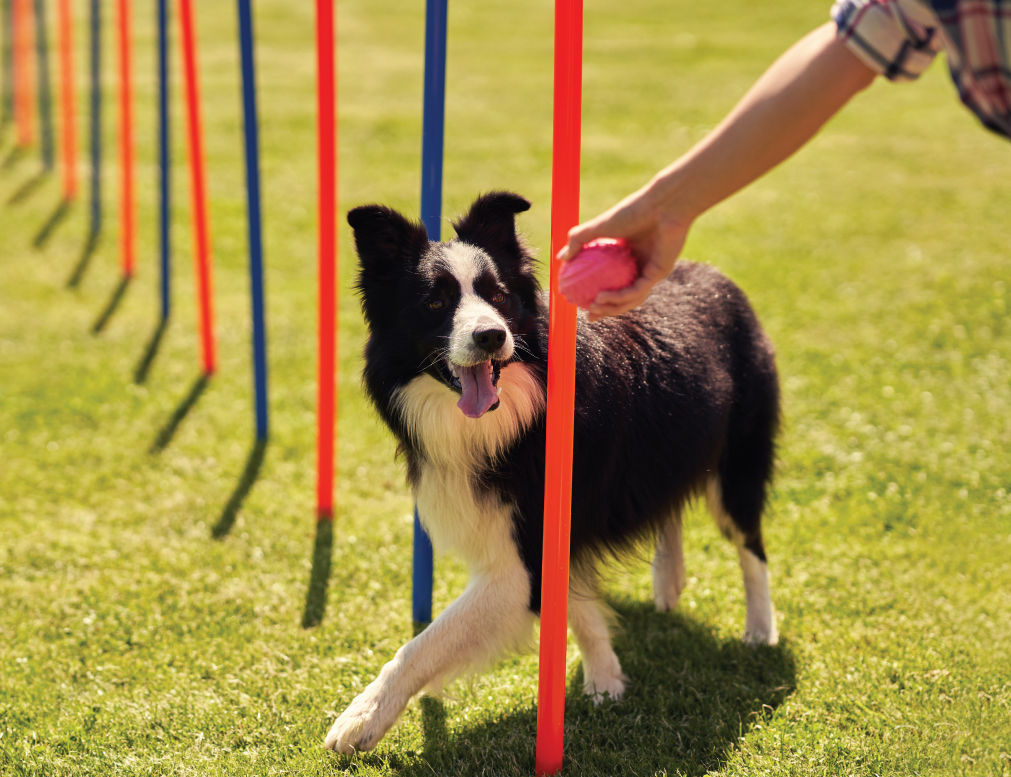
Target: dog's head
<point>458,311</point>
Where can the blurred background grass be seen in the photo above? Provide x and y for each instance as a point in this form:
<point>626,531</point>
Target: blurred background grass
<point>132,642</point>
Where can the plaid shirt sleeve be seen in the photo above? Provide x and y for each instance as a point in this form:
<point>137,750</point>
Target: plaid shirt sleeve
<point>978,45</point>
<point>891,42</point>
<point>899,38</point>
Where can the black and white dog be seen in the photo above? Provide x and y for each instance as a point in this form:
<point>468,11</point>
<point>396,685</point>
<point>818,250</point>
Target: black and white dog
<point>676,398</point>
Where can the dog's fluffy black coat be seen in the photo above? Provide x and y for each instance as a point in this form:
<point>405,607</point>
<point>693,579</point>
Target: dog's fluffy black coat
<point>673,398</point>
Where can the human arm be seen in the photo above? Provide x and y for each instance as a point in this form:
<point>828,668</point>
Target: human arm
<point>804,88</point>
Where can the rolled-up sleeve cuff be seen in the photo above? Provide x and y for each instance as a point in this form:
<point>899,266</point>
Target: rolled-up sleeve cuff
<point>884,38</point>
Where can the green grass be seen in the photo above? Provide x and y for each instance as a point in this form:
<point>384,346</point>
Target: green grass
<point>134,641</point>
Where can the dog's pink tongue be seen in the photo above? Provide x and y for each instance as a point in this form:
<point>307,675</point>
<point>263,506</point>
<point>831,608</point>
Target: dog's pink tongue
<point>478,391</point>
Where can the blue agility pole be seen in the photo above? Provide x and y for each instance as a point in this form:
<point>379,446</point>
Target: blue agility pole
<point>164,180</point>
<point>96,118</point>
<point>422,574</point>
<point>7,63</point>
<point>432,132</point>
<point>253,215</point>
<point>44,92</point>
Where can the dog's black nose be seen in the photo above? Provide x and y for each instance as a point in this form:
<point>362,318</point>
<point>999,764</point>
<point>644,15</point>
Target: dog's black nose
<point>489,340</point>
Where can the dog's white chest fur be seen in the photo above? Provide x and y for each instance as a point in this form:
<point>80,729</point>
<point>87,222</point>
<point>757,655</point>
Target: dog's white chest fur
<point>455,448</point>
<point>457,519</point>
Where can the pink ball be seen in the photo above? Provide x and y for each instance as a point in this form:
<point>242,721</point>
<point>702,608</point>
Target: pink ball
<point>604,264</point>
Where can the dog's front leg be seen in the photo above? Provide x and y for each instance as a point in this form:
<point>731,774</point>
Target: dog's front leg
<point>492,614</point>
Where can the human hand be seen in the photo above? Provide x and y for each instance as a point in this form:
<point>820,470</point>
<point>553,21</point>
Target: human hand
<point>656,241</point>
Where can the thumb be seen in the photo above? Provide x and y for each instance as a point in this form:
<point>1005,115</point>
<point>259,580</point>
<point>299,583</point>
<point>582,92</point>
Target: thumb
<point>578,236</point>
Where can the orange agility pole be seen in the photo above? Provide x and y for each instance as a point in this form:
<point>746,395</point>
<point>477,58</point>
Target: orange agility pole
<point>22,22</point>
<point>127,206</point>
<point>66,25</point>
<point>6,62</point>
<point>201,228</point>
<point>561,390</point>
<point>327,170</point>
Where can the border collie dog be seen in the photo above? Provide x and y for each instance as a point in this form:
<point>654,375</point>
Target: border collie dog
<point>677,398</point>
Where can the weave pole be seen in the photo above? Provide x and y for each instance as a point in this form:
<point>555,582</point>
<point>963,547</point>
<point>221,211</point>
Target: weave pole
<point>127,208</point>
<point>164,180</point>
<point>65,22</point>
<point>22,33</point>
<point>253,218</point>
<point>432,135</point>
<point>42,87</point>
<point>95,23</point>
<point>561,389</point>
<point>326,139</point>
<point>201,227</point>
<point>7,62</point>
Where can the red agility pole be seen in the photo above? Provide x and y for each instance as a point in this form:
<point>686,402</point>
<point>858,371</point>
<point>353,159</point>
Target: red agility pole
<point>127,209</point>
<point>561,390</point>
<point>201,229</point>
<point>327,150</point>
<point>66,24</point>
<point>22,23</point>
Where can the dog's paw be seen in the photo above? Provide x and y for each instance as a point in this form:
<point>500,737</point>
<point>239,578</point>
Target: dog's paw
<point>604,680</point>
<point>604,688</point>
<point>761,632</point>
<point>363,723</point>
<point>668,583</point>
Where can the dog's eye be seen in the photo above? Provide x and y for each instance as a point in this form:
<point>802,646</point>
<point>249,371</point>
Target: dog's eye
<point>497,298</point>
<point>436,303</point>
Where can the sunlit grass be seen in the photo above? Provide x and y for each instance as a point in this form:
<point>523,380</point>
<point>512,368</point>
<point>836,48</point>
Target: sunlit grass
<point>134,642</point>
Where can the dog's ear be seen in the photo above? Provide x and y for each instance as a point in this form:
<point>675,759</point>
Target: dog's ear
<point>385,240</point>
<point>491,224</point>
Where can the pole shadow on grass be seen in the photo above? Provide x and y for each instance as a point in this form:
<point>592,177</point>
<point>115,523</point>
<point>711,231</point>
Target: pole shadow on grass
<point>12,157</point>
<point>319,575</point>
<point>88,251</point>
<point>56,218</point>
<point>249,474</point>
<point>168,431</point>
<point>25,190</point>
<point>111,306</point>
<point>691,697</point>
<point>143,367</point>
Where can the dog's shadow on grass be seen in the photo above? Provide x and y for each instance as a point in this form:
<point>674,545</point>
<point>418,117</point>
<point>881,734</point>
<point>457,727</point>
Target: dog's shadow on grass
<point>691,697</point>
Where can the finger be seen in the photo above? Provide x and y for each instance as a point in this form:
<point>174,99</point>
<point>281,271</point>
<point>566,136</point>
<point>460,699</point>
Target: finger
<point>571,248</point>
<point>653,273</point>
<point>634,293</point>
<point>603,309</point>
<point>579,236</point>
<point>598,312</point>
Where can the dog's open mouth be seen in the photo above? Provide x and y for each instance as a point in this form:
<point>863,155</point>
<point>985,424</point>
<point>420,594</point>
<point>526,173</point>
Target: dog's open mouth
<point>477,384</point>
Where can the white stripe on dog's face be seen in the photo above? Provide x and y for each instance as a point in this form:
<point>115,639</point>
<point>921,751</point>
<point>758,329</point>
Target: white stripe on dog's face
<point>465,263</point>
<point>473,313</point>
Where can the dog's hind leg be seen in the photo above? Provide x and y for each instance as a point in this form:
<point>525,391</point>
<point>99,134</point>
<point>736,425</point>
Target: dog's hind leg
<point>590,621</point>
<point>491,615</point>
<point>760,621</point>
<point>668,564</point>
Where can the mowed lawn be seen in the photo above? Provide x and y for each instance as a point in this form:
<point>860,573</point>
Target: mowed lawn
<point>157,569</point>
